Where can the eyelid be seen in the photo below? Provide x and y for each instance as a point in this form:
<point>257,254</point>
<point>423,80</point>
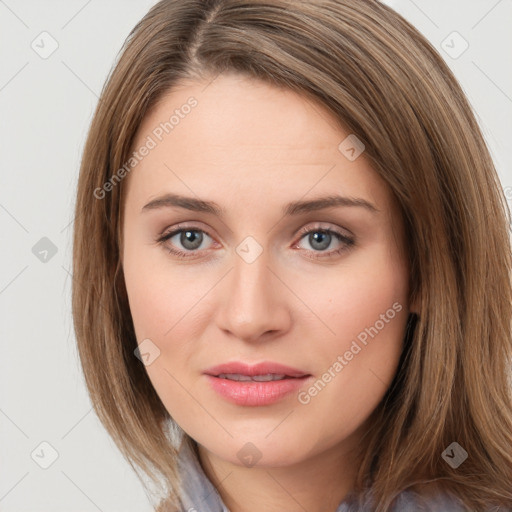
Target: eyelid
<point>174,230</point>
<point>329,227</point>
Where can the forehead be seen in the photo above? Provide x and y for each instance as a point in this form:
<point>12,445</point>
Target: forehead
<point>243,133</point>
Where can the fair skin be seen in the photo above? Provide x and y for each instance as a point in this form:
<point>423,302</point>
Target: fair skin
<point>252,149</point>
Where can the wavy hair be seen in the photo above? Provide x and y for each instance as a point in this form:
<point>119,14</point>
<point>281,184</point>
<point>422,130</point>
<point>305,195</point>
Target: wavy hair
<point>385,83</point>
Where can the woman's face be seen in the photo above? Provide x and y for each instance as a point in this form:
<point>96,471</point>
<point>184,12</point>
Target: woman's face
<point>268,275</point>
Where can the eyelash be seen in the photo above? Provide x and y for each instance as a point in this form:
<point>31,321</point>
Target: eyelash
<point>347,241</point>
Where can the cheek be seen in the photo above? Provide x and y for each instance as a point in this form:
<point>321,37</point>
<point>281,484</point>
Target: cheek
<point>349,298</point>
<point>366,308</point>
<point>162,297</point>
<point>162,308</point>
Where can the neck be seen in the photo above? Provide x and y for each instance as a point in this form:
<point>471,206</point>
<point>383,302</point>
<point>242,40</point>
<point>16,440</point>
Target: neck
<point>317,484</point>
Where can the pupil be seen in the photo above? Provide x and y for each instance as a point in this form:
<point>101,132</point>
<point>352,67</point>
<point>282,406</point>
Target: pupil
<point>319,237</point>
<point>191,239</point>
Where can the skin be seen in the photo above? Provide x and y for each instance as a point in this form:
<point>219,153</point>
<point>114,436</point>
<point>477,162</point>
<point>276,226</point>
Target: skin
<point>252,148</point>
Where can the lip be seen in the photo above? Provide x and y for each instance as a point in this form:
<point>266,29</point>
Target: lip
<point>252,393</point>
<point>255,369</point>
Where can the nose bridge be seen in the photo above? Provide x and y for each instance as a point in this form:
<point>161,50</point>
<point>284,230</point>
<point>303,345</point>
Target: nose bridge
<point>254,303</point>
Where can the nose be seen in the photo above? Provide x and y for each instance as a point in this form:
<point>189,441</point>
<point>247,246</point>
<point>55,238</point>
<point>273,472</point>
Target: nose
<point>253,304</point>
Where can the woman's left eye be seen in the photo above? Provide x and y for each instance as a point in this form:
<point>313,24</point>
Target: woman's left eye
<point>320,239</point>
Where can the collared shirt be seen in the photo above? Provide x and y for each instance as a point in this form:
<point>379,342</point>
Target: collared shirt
<point>199,494</point>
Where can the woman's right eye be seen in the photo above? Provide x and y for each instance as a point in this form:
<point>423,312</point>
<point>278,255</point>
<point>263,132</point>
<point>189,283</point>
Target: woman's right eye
<point>190,238</point>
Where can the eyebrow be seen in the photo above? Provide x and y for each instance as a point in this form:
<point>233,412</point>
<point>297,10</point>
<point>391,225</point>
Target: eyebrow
<point>293,208</point>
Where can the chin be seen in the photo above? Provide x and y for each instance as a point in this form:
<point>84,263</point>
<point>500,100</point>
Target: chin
<point>258,451</point>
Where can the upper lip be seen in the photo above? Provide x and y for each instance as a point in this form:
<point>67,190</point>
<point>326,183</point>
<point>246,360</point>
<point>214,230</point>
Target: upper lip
<point>264,368</point>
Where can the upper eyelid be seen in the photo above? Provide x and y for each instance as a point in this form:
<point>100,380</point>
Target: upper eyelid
<point>177,229</point>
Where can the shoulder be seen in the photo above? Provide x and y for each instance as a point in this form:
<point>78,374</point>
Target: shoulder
<point>444,501</point>
<point>406,501</point>
<point>440,500</point>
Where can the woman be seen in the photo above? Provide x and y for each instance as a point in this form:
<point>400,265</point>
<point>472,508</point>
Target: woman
<point>292,264</point>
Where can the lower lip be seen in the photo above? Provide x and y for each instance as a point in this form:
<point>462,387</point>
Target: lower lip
<point>252,393</point>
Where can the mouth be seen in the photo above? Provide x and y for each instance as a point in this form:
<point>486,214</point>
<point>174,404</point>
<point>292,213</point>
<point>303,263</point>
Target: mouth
<point>266,370</point>
<point>255,385</point>
<point>254,378</point>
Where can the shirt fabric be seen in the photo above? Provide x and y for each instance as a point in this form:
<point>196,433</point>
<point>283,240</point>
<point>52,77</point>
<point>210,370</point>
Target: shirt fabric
<point>199,494</point>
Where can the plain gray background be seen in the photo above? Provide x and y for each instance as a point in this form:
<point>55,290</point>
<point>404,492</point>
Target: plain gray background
<point>55,57</point>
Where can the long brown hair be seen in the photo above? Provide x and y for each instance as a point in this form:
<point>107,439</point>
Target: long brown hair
<point>385,83</point>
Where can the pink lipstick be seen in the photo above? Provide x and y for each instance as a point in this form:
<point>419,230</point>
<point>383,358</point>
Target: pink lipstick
<point>255,385</point>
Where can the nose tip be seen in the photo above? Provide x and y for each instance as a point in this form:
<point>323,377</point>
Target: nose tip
<point>253,303</point>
